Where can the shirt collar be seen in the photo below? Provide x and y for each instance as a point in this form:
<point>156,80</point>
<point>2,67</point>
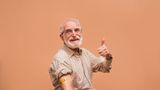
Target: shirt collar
<point>71,52</point>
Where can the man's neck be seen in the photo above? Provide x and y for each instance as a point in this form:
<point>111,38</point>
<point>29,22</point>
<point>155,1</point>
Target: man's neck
<point>73,49</point>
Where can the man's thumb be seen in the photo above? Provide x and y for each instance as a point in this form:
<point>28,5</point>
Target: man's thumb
<point>102,41</point>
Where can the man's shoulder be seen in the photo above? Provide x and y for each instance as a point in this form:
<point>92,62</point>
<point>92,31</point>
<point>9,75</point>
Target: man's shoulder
<point>84,50</point>
<point>61,53</point>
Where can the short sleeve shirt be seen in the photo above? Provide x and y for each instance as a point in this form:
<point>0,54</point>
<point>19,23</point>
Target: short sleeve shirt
<point>80,64</point>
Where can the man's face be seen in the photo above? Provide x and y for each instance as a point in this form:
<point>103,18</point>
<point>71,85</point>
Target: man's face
<point>72,35</point>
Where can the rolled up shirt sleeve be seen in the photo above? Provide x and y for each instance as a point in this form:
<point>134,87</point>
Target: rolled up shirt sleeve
<point>61,67</point>
<point>104,66</point>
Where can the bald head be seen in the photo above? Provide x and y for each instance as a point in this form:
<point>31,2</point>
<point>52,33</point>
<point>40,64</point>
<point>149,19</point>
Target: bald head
<point>70,21</point>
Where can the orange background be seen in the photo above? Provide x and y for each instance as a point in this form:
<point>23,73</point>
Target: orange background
<point>29,37</point>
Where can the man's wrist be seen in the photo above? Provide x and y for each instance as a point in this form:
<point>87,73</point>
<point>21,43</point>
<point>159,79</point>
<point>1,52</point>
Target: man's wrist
<point>109,57</point>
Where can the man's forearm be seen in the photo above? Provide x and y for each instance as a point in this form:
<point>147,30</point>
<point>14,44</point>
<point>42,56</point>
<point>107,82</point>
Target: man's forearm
<point>109,61</point>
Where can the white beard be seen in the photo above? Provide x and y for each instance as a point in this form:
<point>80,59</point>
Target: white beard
<point>73,45</point>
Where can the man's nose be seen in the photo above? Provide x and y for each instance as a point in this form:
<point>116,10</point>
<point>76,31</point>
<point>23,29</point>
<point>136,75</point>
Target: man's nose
<point>74,33</point>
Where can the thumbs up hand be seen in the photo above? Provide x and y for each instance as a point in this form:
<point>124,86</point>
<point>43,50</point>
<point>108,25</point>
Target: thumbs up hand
<point>102,50</point>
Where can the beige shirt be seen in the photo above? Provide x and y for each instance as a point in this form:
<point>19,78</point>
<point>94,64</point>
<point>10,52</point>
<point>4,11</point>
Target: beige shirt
<point>80,64</point>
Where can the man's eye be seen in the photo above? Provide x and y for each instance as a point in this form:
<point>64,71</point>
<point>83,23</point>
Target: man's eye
<point>68,31</point>
<point>77,30</point>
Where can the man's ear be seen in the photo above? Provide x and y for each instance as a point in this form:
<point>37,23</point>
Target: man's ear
<point>61,37</point>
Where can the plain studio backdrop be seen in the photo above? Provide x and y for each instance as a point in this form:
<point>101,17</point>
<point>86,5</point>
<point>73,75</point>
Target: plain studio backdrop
<point>29,37</point>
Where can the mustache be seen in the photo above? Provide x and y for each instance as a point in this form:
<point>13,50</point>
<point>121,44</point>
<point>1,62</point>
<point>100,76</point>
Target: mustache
<point>75,38</point>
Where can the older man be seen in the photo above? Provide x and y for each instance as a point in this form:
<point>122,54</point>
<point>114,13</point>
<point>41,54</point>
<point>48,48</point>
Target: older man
<point>72,66</point>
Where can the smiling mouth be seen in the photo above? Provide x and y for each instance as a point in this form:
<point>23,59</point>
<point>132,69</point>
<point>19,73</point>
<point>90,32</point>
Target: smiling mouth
<point>72,40</point>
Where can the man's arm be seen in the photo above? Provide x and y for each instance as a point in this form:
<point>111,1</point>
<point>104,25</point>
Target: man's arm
<point>66,82</point>
<point>104,66</point>
<point>61,74</point>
